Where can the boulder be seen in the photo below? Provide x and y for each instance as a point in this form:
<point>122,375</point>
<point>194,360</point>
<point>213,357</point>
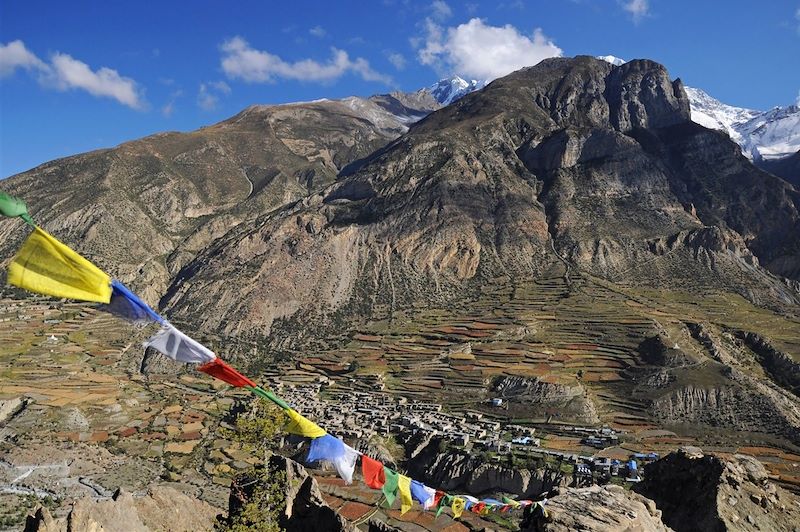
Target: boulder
<point>162,509</point>
<point>607,508</point>
<point>698,492</point>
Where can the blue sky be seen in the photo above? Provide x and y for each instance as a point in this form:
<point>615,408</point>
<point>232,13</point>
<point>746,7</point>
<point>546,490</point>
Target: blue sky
<point>76,76</point>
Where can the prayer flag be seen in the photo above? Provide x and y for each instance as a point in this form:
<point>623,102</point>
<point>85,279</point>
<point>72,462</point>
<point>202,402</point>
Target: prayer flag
<point>511,502</point>
<point>423,494</point>
<point>12,207</point>
<point>220,369</point>
<point>458,506</point>
<point>374,477</point>
<point>179,347</point>
<point>478,508</point>
<point>302,427</point>
<point>442,500</point>
<point>342,456</point>
<point>126,304</point>
<point>469,501</point>
<point>404,487</point>
<point>46,266</point>
<point>390,486</point>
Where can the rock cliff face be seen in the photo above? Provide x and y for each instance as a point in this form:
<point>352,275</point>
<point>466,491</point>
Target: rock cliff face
<point>304,510</point>
<point>697,492</point>
<point>461,470</point>
<point>571,400</point>
<point>162,509</point>
<point>608,508</point>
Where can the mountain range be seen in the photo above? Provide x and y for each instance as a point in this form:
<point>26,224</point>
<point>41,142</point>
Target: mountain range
<point>315,206</point>
<point>567,231</point>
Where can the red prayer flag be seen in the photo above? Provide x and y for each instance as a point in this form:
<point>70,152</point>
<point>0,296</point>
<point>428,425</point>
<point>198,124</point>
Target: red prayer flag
<point>476,508</point>
<point>438,497</point>
<point>374,477</point>
<point>505,508</point>
<point>222,371</point>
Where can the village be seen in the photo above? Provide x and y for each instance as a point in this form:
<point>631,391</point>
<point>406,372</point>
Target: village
<point>362,414</point>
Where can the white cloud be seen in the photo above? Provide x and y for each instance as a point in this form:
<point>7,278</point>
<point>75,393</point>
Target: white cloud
<point>241,61</point>
<point>440,10</point>
<point>64,72</point>
<point>70,73</point>
<point>318,31</point>
<point>638,9</point>
<point>220,86</point>
<point>797,17</point>
<point>397,60</point>
<point>14,55</point>
<point>481,51</point>
<point>169,108</point>
<point>209,93</point>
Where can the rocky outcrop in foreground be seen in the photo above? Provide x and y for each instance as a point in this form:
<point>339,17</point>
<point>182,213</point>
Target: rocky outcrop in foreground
<point>162,509</point>
<point>598,508</point>
<point>305,509</point>
<point>697,492</point>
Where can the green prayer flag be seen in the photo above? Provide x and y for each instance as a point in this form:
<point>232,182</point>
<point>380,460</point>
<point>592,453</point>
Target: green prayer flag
<point>390,486</point>
<point>444,502</point>
<point>12,207</point>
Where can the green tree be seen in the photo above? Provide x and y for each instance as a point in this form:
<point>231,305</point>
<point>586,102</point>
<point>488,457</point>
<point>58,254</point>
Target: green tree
<point>262,492</point>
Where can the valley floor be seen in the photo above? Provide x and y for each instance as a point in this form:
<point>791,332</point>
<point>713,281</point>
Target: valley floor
<point>78,417</point>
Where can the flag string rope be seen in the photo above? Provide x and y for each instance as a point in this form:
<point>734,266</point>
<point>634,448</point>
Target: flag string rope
<point>46,266</point>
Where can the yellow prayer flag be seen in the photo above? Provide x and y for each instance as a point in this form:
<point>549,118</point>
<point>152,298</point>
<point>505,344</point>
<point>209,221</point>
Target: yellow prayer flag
<point>511,502</point>
<point>458,506</point>
<point>404,487</point>
<point>303,427</point>
<point>46,266</point>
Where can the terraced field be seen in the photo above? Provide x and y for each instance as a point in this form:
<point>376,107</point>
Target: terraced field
<point>583,333</point>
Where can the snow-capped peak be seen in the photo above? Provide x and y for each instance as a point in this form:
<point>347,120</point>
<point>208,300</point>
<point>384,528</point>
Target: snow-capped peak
<point>761,134</point>
<point>713,114</point>
<point>448,90</point>
<point>616,61</point>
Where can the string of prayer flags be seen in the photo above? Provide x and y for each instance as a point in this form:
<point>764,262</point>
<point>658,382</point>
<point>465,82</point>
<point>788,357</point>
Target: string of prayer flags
<point>13,207</point>
<point>301,426</point>
<point>47,266</point>
<point>179,347</point>
<point>342,456</point>
<point>390,486</point>
<point>126,304</point>
<point>404,487</point>
<point>372,470</point>
<point>458,506</point>
<point>423,494</point>
<point>220,369</point>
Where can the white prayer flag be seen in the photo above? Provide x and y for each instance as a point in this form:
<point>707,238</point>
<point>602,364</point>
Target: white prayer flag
<point>179,347</point>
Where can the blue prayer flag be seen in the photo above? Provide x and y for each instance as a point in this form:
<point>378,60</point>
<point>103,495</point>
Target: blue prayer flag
<point>336,451</point>
<point>126,304</point>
